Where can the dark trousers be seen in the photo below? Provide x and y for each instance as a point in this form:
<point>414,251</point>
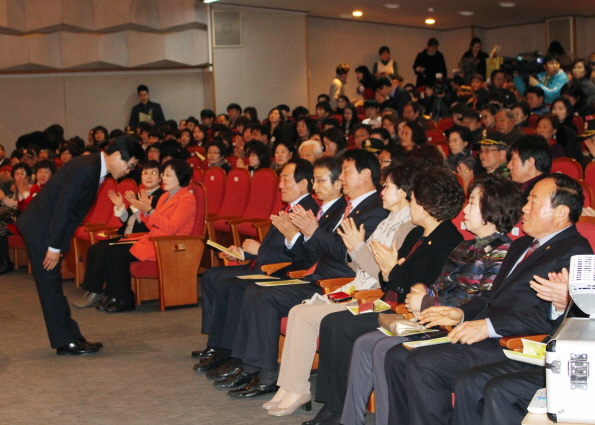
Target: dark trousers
<point>117,272</point>
<point>257,334</point>
<point>4,250</point>
<point>421,381</point>
<point>95,271</point>
<point>497,393</point>
<point>338,332</point>
<point>61,328</point>
<point>215,292</point>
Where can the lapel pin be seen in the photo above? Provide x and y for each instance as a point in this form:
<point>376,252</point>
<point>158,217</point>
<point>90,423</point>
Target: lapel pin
<point>429,242</point>
<point>548,247</point>
<point>357,212</point>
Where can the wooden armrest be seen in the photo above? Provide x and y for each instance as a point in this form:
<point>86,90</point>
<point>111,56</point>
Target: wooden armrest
<point>297,274</point>
<point>336,282</point>
<point>514,342</point>
<point>367,296</point>
<point>87,225</point>
<point>175,237</point>
<point>243,220</point>
<point>212,219</point>
<point>137,235</point>
<point>269,269</point>
<point>400,309</point>
<point>98,229</point>
<point>261,224</point>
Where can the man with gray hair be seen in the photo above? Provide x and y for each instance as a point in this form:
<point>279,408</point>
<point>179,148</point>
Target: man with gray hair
<point>310,150</point>
<point>504,121</point>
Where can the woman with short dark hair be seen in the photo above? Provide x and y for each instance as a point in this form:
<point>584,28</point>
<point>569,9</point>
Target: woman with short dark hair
<point>216,151</point>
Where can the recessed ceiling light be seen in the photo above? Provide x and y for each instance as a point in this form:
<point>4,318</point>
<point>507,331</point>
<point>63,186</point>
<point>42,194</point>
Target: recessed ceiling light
<point>430,21</point>
<point>465,13</point>
<point>507,4</point>
<point>357,13</point>
<point>431,9</point>
<point>391,6</point>
<point>209,1</point>
<point>345,16</point>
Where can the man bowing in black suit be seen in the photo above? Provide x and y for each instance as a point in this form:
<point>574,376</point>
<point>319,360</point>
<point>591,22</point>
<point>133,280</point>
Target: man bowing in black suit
<point>257,339</point>
<point>421,381</point>
<point>49,222</point>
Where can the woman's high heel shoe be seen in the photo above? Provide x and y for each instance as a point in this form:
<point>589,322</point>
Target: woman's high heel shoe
<point>305,402</point>
<point>271,404</point>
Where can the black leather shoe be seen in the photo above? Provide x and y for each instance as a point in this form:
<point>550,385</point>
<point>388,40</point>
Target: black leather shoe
<point>204,354</point>
<point>253,389</point>
<point>235,380</point>
<point>223,372</point>
<point>120,306</point>
<point>321,417</point>
<point>108,302</point>
<point>211,363</point>
<point>91,344</point>
<point>6,266</point>
<point>79,348</point>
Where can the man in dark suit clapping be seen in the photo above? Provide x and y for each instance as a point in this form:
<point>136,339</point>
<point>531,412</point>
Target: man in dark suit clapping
<point>49,222</point>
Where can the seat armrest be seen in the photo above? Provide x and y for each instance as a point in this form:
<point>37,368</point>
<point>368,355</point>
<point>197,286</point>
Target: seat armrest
<point>514,342</point>
<point>269,269</point>
<point>136,235</point>
<point>297,274</point>
<point>367,295</point>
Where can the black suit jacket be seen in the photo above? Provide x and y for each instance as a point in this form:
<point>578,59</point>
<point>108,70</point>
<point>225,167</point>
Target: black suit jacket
<point>329,246</point>
<point>511,305</point>
<point>155,108</point>
<point>272,249</point>
<point>61,205</point>
<point>305,258</point>
<point>426,262</point>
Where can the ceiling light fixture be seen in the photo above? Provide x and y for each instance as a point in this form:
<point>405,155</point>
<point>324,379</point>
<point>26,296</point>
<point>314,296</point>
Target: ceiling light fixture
<point>357,13</point>
<point>507,4</point>
<point>465,13</point>
<point>430,21</point>
<point>391,5</point>
<point>431,10</point>
<point>209,1</point>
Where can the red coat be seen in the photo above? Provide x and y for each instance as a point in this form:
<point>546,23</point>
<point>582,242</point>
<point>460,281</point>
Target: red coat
<point>176,217</point>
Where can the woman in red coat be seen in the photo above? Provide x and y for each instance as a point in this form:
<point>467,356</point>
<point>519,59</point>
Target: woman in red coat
<point>174,215</point>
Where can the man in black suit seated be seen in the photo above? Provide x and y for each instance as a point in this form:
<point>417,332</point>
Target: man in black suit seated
<point>131,223</point>
<point>257,335</point>
<point>146,111</point>
<point>421,381</point>
<point>48,223</point>
<point>295,183</point>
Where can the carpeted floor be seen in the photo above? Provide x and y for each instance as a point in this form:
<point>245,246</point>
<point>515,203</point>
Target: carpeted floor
<point>143,375</point>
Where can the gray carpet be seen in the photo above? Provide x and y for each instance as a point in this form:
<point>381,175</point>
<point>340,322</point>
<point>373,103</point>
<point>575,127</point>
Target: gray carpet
<point>143,375</point>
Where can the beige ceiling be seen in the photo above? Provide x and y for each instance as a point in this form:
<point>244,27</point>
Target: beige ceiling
<point>487,13</point>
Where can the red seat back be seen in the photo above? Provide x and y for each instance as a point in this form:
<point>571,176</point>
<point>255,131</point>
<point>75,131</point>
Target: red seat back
<point>194,162</point>
<point>237,193</point>
<point>568,166</point>
<point>588,192</point>
<point>533,120</point>
<point>198,175</point>
<point>102,208</point>
<point>194,149</point>
<point>528,130</point>
<point>516,232</point>
<point>264,188</point>
<point>214,181</point>
<point>590,174</point>
<point>435,136</point>
<point>587,230</point>
<point>200,196</point>
<point>123,187</point>
<point>578,122</point>
<point>444,124</point>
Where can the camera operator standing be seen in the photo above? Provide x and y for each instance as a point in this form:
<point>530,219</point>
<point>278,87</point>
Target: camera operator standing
<point>428,63</point>
<point>550,81</point>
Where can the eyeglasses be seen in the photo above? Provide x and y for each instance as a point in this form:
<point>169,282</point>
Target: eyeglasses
<point>386,161</point>
<point>487,150</point>
<point>150,173</point>
<point>320,180</point>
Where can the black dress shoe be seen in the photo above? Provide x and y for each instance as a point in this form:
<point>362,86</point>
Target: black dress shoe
<point>108,302</point>
<point>206,353</point>
<point>223,372</point>
<point>6,266</point>
<point>211,363</point>
<point>321,417</point>
<point>91,344</point>
<point>235,380</point>
<point>120,306</point>
<point>253,389</point>
<point>78,348</point>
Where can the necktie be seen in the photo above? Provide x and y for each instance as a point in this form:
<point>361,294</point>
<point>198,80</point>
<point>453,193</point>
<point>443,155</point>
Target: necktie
<point>348,210</point>
<point>531,249</point>
<point>319,214</point>
<point>287,208</point>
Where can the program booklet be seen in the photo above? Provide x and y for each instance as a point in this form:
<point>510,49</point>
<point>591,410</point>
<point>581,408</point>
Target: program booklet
<point>223,249</point>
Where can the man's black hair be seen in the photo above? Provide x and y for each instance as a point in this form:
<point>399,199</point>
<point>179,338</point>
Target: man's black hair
<point>536,147</point>
<point>234,106</point>
<point>128,148</point>
<point>303,170</point>
<point>364,160</point>
<point>142,87</point>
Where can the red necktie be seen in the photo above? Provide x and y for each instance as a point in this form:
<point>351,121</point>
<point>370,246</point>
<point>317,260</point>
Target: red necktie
<point>531,249</point>
<point>348,210</point>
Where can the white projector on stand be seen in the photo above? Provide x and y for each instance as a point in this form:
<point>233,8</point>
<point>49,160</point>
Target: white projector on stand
<point>570,385</point>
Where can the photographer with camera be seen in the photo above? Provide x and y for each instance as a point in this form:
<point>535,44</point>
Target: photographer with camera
<point>428,63</point>
<point>550,80</point>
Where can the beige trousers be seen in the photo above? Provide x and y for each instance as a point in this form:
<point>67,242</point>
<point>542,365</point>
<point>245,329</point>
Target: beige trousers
<point>301,338</point>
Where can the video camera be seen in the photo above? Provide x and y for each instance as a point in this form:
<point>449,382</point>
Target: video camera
<point>525,64</point>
